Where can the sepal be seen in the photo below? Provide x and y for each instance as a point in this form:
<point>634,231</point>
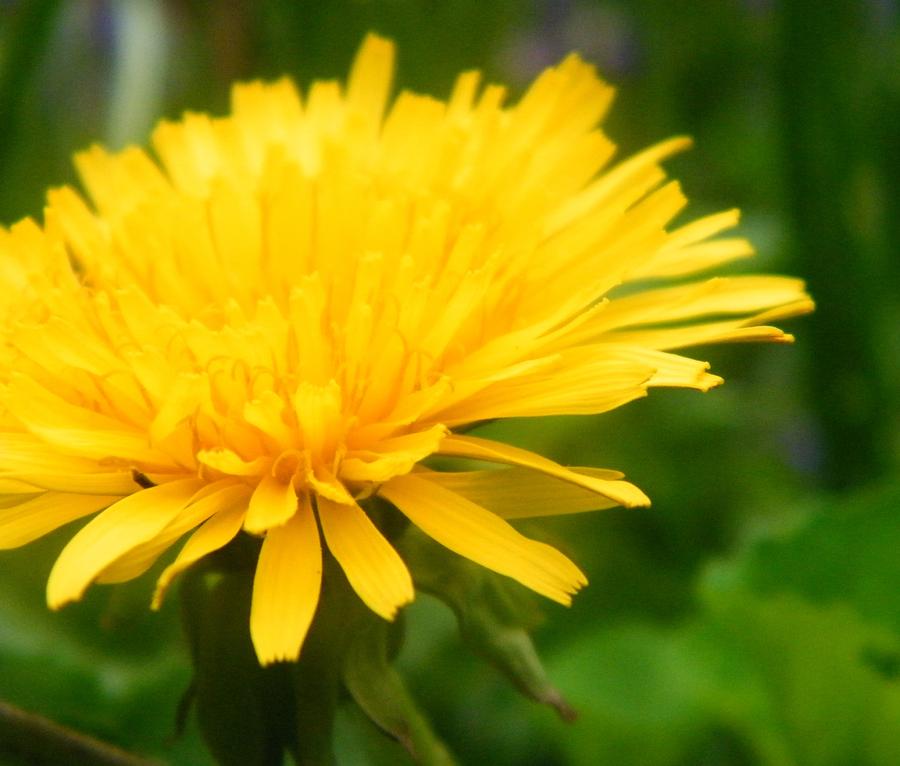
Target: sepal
<point>494,615</point>
<point>380,692</point>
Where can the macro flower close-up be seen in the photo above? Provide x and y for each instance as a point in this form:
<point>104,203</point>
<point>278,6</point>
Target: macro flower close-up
<point>275,316</point>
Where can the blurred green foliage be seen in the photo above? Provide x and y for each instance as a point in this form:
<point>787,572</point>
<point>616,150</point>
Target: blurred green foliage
<point>752,615</point>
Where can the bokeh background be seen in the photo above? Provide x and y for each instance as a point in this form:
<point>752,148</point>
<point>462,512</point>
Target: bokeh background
<point>752,615</point>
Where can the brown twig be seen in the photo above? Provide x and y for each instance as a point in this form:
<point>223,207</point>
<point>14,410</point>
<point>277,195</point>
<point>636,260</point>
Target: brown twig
<point>31,739</point>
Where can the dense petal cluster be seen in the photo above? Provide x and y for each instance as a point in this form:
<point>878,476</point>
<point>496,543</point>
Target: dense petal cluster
<point>293,306</point>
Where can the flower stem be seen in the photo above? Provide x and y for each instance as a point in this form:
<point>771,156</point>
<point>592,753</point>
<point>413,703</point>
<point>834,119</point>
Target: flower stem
<point>27,28</point>
<point>827,123</point>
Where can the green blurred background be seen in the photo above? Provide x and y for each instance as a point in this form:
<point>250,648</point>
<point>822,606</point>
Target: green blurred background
<point>752,615</point>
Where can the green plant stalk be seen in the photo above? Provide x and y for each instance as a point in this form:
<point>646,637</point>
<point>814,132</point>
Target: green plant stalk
<point>26,35</point>
<point>826,119</point>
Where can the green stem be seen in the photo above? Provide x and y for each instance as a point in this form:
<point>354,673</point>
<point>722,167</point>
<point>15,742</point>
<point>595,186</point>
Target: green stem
<point>825,102</point>
<point>28,28</point>
<point>29,738</point>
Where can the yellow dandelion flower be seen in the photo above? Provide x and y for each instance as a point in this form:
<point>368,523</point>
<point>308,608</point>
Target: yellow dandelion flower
<point>295,305</point>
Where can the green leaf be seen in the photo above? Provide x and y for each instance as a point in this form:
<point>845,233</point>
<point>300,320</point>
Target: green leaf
<point>845,552</point>
<point>823,699</point>
<point>765,681</point>
<point>792,656</point>
<point>634,687</point>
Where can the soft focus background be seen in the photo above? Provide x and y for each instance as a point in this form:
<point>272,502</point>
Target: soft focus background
<point>752,615</point>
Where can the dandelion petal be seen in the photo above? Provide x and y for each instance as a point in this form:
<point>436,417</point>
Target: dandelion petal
<point>518,493</point>
<point>121,527</point>
<point>272,504</point>
<point>373,567</point>
<point>496,452</point>
<point>286,587</point>
<point>483,537</point>
<point>216,533</point>
<point>37,516</point>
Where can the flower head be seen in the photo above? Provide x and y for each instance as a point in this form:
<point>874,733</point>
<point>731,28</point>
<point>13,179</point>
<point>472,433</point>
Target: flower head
<point>295,305</point>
